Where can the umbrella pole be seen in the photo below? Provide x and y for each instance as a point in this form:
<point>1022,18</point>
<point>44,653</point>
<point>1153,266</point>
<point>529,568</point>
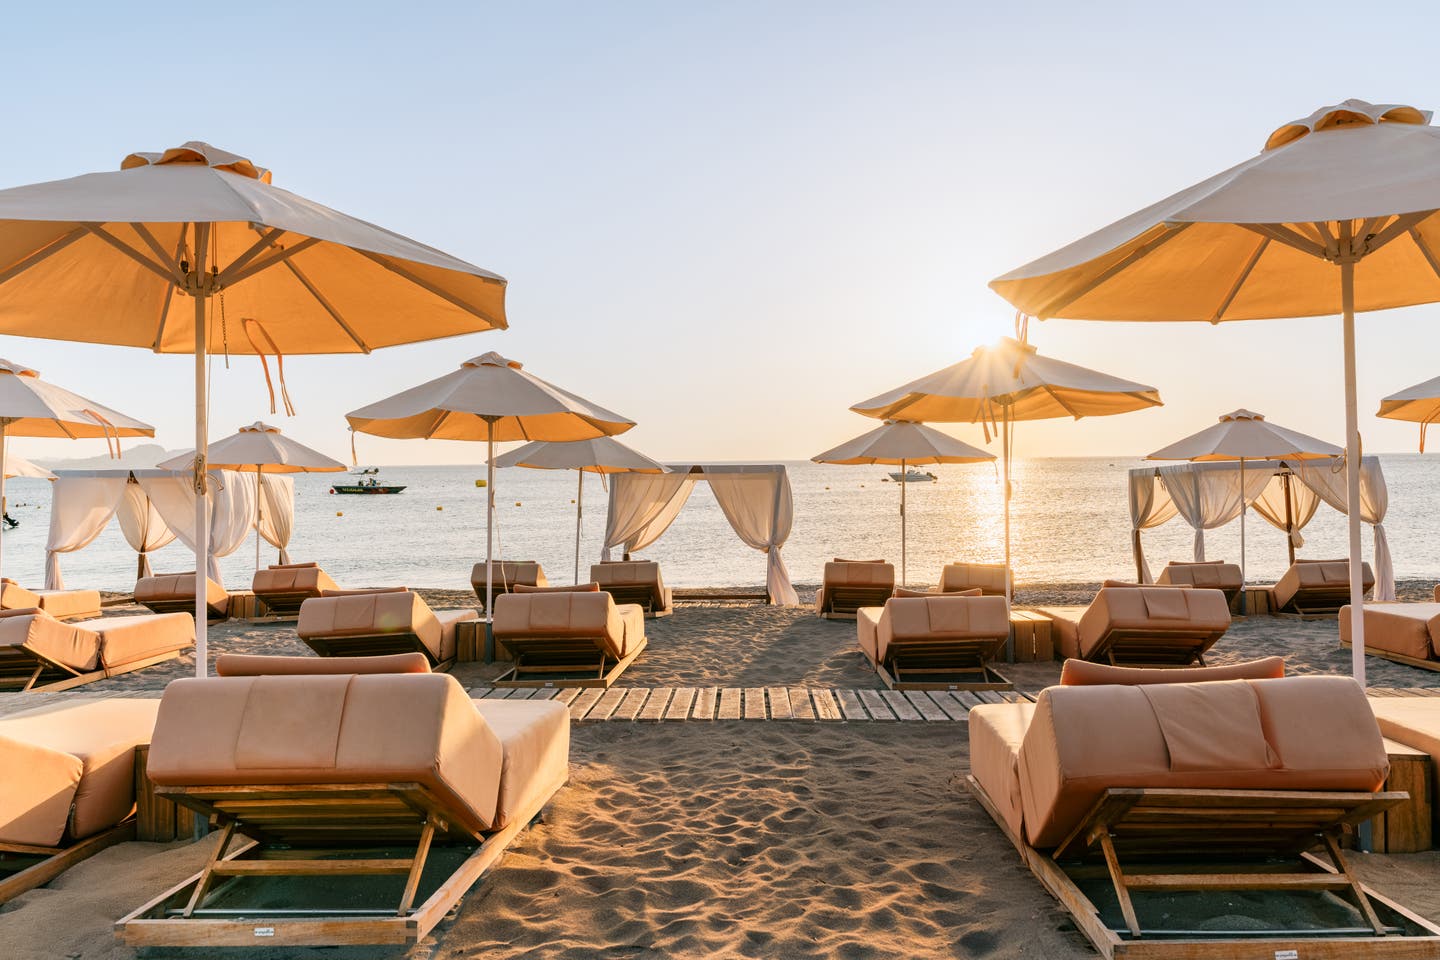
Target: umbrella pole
<point>3,424</point>
<point>1244,603</point>
<point>1289,519</point>
<point>1009,575</point>
<point>579,507</point>
<point>904,581</point>
<point>202,504</point>
<point>489,522</point>
<point>259,495</point>
<point>1352,474</point>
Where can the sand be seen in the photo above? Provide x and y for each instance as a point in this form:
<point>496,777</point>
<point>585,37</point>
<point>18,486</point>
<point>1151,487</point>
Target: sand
<point>724,839</point>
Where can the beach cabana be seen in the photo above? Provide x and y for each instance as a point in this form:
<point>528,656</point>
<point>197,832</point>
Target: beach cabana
<point>1337,214</point>
<point>601,455</point>
<point>1000,385</point>
<point>1239,436</point>
<point>1418,404</point>
<point>755,498</point>
<point>1285,493</point>
<point>490,399</point>
<point>906,445</point>
<point>193,251</point>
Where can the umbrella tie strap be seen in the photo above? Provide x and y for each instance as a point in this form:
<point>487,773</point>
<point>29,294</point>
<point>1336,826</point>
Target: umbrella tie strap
<point>354,458</point>
<point>111,432</point>
<point>1425,423</point>
<point>248,323</point>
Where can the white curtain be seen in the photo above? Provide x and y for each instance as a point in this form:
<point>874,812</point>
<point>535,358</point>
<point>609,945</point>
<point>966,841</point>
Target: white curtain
<point>277,511</point>
<point>642,507</point>
<point>761,510</point>
<point>81,508</point>
<point>1150,506</point>
<point>142,526</point>
<point>232,510</point>
<point>1303,504</point>
<point>1322,477</point>
<point>1210,495</point>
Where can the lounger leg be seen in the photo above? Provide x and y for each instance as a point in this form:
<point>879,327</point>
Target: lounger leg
<point>39,669</point>
<point>1361,900</point>
<point>207,876</point>
<point>417,866</point>
<point>1117,877</point>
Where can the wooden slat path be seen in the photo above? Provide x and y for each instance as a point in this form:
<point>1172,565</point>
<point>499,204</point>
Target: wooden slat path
<point>825,706</point>
<point>850,707</point>
<point>729,704</point>
<point>754,703</point>
<point>704,704</point>
<point>654,708</point>
<point>780,708</point>
<point>679,708</point>
<point>875,705</point>
<point>801,706</point>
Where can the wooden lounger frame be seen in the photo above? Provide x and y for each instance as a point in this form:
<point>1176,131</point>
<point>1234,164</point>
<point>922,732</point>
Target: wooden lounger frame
<point>641,595</point>
<point>283,604</point>
<point>843,602</point>
<point>187,605</point>
<point>1397,657</point>
<point>1154,648</point>
<point>1315,603</point>
<point>1183,828</point>
<point>699,596</point>
<point>944,664</point>
<point>23,669</point>
<point>57,859</point>
<point>546,661</point>
<point>374,645</point>
<point>322,820</point>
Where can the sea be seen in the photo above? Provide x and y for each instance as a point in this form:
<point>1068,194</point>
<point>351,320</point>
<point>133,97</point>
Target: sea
<point>1070,524</point>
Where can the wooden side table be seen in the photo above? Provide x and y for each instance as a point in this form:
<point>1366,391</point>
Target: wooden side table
<point>1030,637</point>
<point>157,820</point>
<point>1408,827</point>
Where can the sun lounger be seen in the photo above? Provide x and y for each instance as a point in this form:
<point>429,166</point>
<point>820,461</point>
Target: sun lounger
<point>505,575</point>
<point>635,581</point>
<point>1177,820</point>
<point>60,604</point>
<point>364,623</point>
<point>959,577</point>
<point>282,587</point>
<point>175,593</point>
<point>68,787</point>
<point>1407,633</point>
<point>851,584</point>
<point>580,637</point>
<point>1316,588</point>
<point>38,652</point>
<point>353,809</point>
<point>1214,575</point>
<point>936,642</point>
<point>1141,626</point>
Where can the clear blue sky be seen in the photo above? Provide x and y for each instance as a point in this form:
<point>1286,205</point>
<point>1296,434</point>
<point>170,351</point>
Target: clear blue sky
<point>729,221</point>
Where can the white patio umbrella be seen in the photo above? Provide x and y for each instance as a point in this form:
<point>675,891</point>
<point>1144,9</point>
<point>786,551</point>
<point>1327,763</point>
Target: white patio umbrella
<point>1337,213</point>
<point>113,257</point>
<point>602,455</point>
<point>999,385</point>
<point>263,449</point>
<point>30,407</point>
<point>906,444</point>
<point>1245,435</point>
<point>492,399</point>
<point>18,467</point>
<point>1418,404</point>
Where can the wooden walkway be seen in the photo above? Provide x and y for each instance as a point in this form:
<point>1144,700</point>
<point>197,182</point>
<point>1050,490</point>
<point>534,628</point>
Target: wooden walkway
<point>706,704</point>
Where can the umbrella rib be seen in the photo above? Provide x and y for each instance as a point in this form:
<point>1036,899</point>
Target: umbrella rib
<point>445,295</point>
<point>326,305</point>
<point>1287,236</point>
<point>267,239</point>
<point>169,294</point>
<point>160,269</point>
<point>1056,397</point>
<point>1398,226</point>
<point>285,254</point>
<point>1240,280</point>
<point>14,270</point>
<point>159,251</point>
<point>1144,250</point>
<point>444,415</point>
<point>1424,249</point>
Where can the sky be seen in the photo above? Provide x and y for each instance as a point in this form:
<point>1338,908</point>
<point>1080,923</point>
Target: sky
<point>728,221</point>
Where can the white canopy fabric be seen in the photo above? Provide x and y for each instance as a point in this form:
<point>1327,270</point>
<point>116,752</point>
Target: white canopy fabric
<point>1208,495</point>
<point>16,466</point>
<point>1418,404</point>
<point>155,507</point>
<point>755,498</point>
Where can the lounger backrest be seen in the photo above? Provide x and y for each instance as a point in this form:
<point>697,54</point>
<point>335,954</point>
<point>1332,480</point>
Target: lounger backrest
<point>1157,609</point>
<point>15,597</point>
<point>243,665</point>
<point>370,614</point>
<point>177,586</point>
<point>629,573</point>
<point>67,644</point>
<point>1327,575</point>
<point>581,615</point>
<point>1221,576</point>
<point>292,578</point>
<point>989,577</point>
<point>507,573</point>
<point>848,573</point>
<point>940,616</point>
<point>383,728</point>
<point>1081,673</point>
<point>1296,733</point>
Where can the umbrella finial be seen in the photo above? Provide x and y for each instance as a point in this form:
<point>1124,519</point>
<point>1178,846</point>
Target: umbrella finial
<point>1241,414</point>
<point>1349,113</point>
<point>491,359</point>
<point>199,153</point>
<point>259,426</point>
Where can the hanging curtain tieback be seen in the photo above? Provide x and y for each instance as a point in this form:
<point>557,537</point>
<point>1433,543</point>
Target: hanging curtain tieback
<point>252,328</point>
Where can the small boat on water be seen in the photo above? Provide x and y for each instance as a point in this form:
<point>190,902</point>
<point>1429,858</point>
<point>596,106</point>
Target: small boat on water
<point>913,476</point>
<point>368,485</point>
<point>365,471</point>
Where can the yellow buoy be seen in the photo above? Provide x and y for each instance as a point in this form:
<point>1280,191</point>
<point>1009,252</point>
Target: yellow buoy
<point>517,503</point>
<point>339,513</point>
<point>572,499</point>
<point>439,508</point>
<point>479,483</point>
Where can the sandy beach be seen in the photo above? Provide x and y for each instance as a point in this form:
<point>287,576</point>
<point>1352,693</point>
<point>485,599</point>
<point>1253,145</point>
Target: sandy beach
<point>722,839</point>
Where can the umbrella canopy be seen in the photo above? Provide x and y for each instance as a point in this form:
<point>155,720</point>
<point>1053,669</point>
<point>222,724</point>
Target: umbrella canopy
<point>265,272</point>
<point>1418,404</point>
<point>22,468</point>
<point>905,444</point>
<point>1245,435</point>
<point>602,455</point>
<point>1337,213</point>
<point>262,448</point>
<point>30,407</point>
<point>493,399</point>
<point>1004,383</point>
